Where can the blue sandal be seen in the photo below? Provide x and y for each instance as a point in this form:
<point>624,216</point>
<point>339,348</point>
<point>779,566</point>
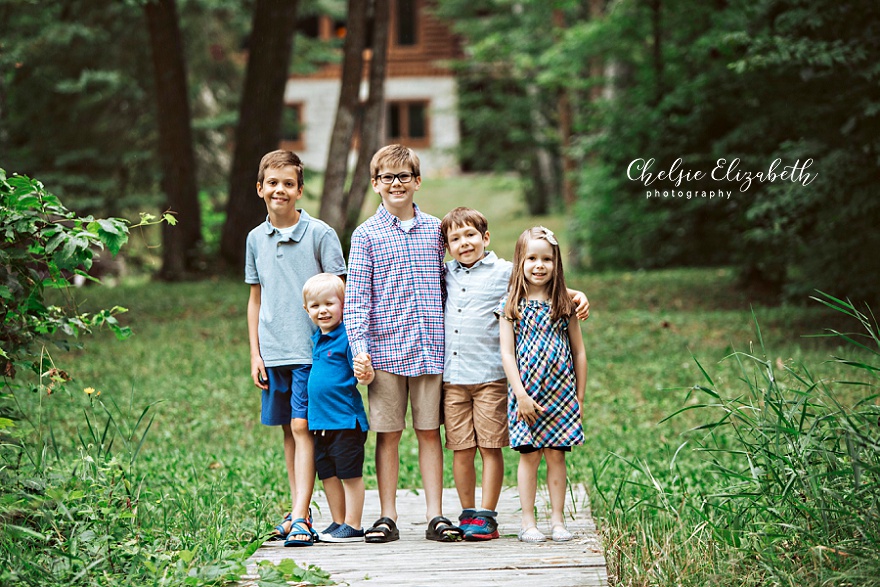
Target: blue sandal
<point>280,532</point>
<point>300,527</point>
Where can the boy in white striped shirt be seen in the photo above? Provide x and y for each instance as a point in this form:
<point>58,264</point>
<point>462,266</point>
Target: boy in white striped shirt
<point>474,386</point>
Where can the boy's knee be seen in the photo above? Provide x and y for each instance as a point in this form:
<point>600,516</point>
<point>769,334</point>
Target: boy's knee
<point>300,426</point>
<point>465,453</point>
<point>488,453</point>
<point>428,435</point>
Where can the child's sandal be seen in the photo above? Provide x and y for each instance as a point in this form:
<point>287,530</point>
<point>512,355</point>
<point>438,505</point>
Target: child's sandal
<point>442,530</point>
<point>280,531</point>
<point>531,535</point>
<point>300,527</point>
<point>560,533</point>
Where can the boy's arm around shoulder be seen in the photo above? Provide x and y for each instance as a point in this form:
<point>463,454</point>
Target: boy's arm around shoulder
<point>582,304</point>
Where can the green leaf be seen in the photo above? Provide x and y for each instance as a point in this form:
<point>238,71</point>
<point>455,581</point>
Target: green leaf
<point>170,219</point>
<point>112,240</point>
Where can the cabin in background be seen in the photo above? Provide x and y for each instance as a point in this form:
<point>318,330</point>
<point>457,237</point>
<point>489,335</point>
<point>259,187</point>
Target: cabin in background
<point>420,92</point>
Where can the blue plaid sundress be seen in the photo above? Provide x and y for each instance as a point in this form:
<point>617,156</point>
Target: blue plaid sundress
<point>543,356</point>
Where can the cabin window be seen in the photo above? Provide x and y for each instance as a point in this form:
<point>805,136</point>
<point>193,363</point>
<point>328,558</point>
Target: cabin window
<point>407,22</point>
<point>407,122</point>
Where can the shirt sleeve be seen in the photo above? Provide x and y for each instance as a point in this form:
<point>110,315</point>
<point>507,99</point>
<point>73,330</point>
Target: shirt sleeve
<point>330,249</point>
<point>251,275</point>
<point>358,294</point>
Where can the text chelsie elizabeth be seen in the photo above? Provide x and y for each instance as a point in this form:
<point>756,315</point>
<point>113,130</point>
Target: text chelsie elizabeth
<point>640,170</point>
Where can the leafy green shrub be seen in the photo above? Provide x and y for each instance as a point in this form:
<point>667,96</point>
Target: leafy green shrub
<point>43,245</point>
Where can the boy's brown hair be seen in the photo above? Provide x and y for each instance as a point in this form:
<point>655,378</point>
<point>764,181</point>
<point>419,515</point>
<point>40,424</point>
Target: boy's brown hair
<point>277,160</point>
<point>463,216</point>
<point>394,156</point>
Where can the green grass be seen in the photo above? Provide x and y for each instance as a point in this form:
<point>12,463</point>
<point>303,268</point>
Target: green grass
<point>209,479</point>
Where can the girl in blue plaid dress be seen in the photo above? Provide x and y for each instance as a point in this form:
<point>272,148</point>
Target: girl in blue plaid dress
<point>546,366</point>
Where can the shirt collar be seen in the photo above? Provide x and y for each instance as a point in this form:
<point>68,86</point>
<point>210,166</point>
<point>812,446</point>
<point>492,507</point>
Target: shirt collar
<point>393,220</point>
<point>333,334</point>
<point>488,259</point>
<point>298,231</point>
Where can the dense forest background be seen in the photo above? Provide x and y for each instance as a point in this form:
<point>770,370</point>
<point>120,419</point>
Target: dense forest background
<point>568,95</point>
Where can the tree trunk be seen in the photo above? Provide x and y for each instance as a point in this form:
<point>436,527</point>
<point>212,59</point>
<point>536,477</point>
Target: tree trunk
<point>372,123</point>
<point>259,120</point>
<point>179,243</point>
<point>540,166</point>
<point>566,129</point>
<point>336,172</point>
<point>657,49</point>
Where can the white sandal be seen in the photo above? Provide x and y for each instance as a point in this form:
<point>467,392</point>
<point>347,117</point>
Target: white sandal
<point>559,533</point>
<point>532,535</point>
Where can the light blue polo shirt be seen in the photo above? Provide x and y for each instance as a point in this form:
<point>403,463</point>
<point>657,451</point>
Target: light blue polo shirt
<point>334,400</point>
<point>473,349</point>
<point>281,264</point>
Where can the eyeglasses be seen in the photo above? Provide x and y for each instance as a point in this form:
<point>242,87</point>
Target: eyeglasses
<point>390,177</point>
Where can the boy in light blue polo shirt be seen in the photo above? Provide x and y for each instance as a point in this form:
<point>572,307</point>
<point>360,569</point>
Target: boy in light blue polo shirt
<point>474,384</point>
<point>282,253</point>
<point>336,410</point>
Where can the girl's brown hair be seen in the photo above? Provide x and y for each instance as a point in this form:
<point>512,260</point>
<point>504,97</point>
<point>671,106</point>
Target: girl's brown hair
<point>517,289</point>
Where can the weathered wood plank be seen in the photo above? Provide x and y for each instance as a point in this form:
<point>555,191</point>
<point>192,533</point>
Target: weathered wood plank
<point>414,561</point>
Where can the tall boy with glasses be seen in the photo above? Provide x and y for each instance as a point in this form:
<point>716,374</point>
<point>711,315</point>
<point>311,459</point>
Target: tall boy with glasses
<point>394,318</point>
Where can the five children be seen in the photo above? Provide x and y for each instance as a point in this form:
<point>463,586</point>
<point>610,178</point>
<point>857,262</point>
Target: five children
<point>390,335</point>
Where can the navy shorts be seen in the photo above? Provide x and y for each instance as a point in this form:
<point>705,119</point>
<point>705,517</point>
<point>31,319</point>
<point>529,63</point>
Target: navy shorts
<point>288,394</point>
<point>528,448</point>
<point>340,453</point>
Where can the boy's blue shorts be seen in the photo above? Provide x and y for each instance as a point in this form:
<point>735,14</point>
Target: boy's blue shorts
<point>288,394</point>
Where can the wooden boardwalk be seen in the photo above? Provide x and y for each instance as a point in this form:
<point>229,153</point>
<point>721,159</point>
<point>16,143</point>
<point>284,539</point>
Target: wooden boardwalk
<point>414,561</point>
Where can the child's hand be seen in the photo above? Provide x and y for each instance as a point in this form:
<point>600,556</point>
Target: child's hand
<point>258,374</point>
<point>527,409</point>
<point>363,368</point>
<point>582,305</point>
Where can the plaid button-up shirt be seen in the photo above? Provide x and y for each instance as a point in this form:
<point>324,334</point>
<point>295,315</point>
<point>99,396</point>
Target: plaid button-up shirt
<point>394,294</point>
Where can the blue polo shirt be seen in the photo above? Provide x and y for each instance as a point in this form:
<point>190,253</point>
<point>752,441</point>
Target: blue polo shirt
<point>334,400</point>
<point>281,263</point>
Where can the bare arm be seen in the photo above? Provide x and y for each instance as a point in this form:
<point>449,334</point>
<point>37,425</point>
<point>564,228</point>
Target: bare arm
<point>527,408</point>
<point>579,355</point>
<point>258,369</point>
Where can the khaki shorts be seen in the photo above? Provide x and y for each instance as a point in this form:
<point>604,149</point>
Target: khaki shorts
<point>475,415</point>
<point>388,393</point>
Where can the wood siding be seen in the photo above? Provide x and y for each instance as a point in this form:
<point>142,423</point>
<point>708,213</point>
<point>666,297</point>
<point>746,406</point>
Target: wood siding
<point>435,46</point>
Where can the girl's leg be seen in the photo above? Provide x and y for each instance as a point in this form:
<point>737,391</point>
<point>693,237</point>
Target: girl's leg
<point>354,501</point>
<point>527,484</point>
<point>465,476</point>
<point>335,498</point>
<point>493,476</point>
<point>556,485</point>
